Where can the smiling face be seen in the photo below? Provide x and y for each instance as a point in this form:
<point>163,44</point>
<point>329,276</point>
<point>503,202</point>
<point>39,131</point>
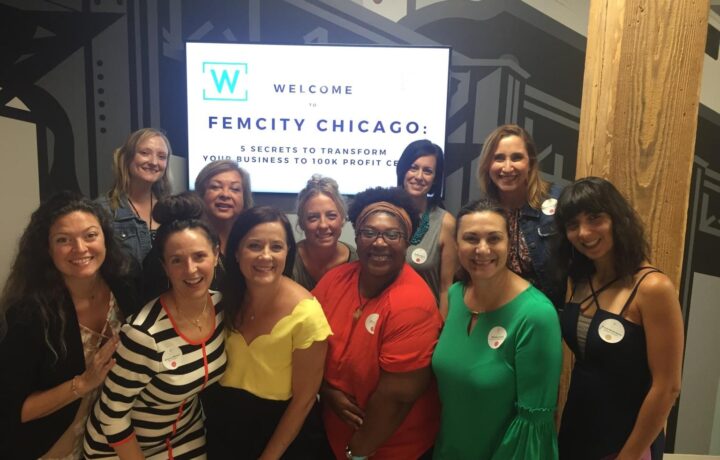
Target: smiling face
<point>77,245</point>
<point>510,166</point>
<point>261,254</point>
<point>189,260</point>
<point>591,235</point>
<point>150,160</point>
<point>482,244</point>
<point>224,195</point>
<point>420,177</point>
<point>381,257</point>
<point>322,221</point>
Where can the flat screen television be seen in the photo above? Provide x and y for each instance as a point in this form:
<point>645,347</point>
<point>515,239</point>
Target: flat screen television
<point>286,112</point>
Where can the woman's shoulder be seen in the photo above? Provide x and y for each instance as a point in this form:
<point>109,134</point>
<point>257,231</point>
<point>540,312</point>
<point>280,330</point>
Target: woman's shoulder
<point>534,304</point>
<point>291,293</point>
<point>148,315</point>
<point>554,190</point>
<point>353,251</point>
<point>654,289</point>
<point>20,319</point>
<point>409,290</point>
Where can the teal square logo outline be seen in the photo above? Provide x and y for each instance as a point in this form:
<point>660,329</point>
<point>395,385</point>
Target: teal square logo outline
<point>241,64</point>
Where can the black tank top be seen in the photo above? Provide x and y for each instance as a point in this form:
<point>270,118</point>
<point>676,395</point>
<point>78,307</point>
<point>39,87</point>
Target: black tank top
<point>609,382</point>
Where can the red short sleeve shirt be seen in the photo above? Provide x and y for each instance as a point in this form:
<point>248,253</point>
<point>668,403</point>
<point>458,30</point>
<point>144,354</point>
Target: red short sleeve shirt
<point>396,332</point>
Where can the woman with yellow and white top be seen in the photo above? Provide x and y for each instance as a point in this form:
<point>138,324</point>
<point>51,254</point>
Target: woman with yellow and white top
<point>264,405</point>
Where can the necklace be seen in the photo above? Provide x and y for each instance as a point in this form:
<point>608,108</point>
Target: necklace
<point>422,228</point>
<point>195,322</point>
<point>137,213</point>
<point>363,302</point>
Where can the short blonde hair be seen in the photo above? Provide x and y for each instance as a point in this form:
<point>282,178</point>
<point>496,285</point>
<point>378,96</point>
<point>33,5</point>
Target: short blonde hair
<point>320,185</point>
<point>537,188</point>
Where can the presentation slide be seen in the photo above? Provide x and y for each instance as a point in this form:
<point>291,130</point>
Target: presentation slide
<point>286,112</point>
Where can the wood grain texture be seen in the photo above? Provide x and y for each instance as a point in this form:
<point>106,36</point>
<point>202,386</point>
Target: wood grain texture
<point>639,111</point>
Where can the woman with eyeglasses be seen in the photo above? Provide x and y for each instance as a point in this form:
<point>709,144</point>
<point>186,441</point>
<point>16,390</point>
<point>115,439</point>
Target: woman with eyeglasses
<point>378,395</point>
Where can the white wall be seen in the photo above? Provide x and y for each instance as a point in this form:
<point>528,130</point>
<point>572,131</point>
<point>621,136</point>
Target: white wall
<point>19,183</point>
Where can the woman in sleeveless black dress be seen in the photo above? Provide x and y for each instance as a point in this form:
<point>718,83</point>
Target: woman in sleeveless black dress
<point>623,322</point>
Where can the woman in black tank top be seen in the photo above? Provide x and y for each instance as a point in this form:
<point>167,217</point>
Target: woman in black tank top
<point>623,322</point>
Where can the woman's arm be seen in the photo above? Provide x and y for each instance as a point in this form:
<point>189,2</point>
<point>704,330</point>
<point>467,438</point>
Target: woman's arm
<point>138,361</point>
<point>344,405</point>
<point>307,372</point>
<point>448,260</point>
<point>43,403</point>
<point>662,320</point>
<point>129,450</point>
<point>387,407</point>
<point>538,359</point>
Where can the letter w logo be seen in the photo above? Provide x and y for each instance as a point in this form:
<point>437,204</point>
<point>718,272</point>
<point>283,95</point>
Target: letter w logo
<point>223,81</point>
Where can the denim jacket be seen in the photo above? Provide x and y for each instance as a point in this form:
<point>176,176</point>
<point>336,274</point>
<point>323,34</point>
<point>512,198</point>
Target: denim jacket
<point>540,233</point>
<point>130,230</point>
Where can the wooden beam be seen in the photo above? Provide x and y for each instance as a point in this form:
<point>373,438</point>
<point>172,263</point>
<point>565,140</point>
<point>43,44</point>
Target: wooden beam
<point>639,111</point>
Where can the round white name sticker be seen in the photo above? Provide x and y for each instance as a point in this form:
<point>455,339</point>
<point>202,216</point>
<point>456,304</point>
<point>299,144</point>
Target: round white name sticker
<point>419,255</point>
<point>548,206</point>
<point>496,337</point>
<point>172,358</point>
<point>611,331</point>
<point>370,322</point>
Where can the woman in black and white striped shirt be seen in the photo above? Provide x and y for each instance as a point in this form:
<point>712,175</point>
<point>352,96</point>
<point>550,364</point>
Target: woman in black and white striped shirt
<point>169,351</point>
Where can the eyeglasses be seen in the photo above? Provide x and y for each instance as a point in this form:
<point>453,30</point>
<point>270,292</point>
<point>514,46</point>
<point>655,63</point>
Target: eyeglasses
<point>388,235</point>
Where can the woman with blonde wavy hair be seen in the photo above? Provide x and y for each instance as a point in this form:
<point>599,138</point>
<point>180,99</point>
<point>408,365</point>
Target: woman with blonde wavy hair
<point>509,173</point>
<point>322,212</point>
<point>140,181</point>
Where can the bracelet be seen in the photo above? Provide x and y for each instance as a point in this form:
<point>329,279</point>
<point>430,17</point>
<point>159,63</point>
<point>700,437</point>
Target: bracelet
<point>73,387</point>
<point>349,455</point>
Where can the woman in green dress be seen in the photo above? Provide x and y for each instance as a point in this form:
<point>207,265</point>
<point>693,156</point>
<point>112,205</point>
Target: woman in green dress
<point>498,358</point>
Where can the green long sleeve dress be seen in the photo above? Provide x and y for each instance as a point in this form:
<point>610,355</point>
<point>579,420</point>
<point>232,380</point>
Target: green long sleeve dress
<point>498,385</point>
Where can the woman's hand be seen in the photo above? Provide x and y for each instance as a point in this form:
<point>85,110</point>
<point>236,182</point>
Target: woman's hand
<point>343,405</point>
<point>98,367</point>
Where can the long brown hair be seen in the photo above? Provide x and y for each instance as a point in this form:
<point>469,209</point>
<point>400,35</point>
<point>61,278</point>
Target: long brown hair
<point>123,156</point>
<point>537,189</point>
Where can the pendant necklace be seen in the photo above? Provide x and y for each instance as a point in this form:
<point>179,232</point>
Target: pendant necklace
<point>195,322</point>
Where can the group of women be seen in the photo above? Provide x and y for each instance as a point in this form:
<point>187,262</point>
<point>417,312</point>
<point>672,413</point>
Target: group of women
<point>145,325</point>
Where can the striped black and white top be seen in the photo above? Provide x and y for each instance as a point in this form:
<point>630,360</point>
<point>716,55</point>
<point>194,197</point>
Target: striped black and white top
<point>151,392</point>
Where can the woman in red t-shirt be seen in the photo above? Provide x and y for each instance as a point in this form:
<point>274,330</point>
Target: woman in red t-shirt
<point>378,394</point>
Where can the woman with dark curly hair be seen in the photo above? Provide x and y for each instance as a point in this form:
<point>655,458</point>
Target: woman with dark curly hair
<point>378,396</point>
<point>60,311</point>
<point>623,322</point>
<point>432,252</point>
